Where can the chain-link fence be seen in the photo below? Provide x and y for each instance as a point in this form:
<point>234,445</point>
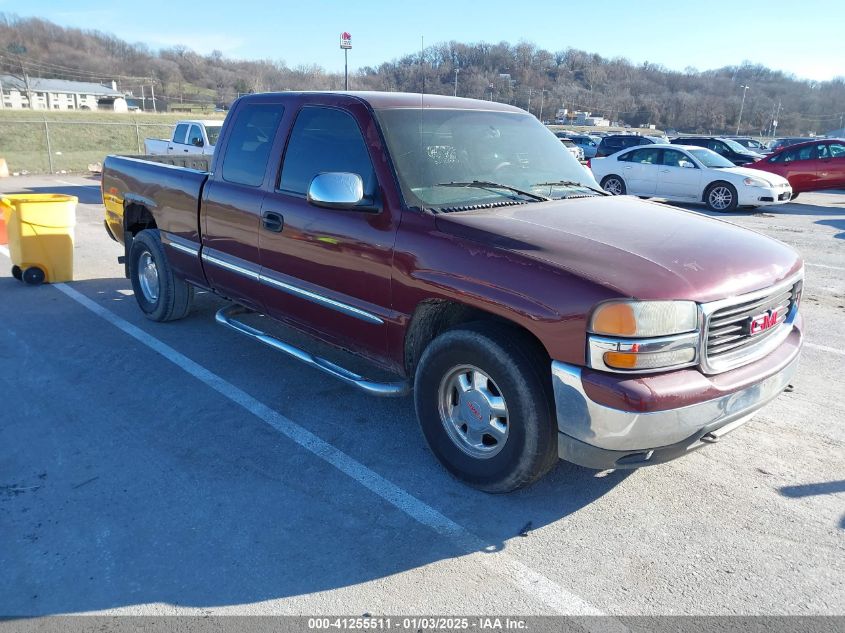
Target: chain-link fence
<point>54,146</point>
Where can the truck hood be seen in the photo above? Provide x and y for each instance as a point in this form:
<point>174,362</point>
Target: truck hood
<point>639,249</point>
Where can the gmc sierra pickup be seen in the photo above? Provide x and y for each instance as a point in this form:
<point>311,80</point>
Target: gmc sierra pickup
<point>459,245</point>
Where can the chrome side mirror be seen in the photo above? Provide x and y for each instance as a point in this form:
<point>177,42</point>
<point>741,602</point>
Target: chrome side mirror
<point>336,190</point>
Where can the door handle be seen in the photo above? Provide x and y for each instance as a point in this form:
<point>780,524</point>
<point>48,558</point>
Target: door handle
<point>273,222</point>
<point>184,150</point>
<point>664,171</point>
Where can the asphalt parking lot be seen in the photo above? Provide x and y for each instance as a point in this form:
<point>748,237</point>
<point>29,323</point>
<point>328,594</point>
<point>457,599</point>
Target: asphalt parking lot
<point>179,468</point>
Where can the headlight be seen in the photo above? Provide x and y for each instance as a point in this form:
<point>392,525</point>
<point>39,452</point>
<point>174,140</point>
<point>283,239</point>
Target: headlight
<point>644,318</point>
<point>756,182</point>
<point>643,336</point>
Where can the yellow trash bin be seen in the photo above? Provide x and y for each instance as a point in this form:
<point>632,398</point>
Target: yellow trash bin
<point>40,230</point>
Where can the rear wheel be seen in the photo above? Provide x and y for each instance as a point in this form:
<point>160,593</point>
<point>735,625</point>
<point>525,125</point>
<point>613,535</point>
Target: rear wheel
<point>160,294</point>
<point>721,196</point>
<point>614,184</point>
<point>484,404</point>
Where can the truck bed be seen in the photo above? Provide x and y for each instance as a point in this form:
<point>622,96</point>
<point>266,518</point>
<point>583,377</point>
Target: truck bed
<point>169,187</point>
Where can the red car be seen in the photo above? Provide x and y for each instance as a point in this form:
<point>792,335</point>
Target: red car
<point>809,166</point>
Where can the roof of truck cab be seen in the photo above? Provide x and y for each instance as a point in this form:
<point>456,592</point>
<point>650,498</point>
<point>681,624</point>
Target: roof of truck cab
<point>387,100</point>
<point>205,122</point>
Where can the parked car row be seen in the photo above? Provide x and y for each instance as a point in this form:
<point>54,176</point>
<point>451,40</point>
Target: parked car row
<point>688,173</point>
<point>720,172</point>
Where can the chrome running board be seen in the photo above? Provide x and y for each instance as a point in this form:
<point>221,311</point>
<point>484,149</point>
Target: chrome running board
<point>225,316</point>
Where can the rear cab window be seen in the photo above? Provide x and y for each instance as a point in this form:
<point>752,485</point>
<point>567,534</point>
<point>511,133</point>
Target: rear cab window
<point>250,142</point>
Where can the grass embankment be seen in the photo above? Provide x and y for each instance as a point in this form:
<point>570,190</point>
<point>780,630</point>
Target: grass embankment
<point>77,139</point>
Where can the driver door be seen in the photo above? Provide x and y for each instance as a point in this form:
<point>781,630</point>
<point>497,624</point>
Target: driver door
<point>328,270</point>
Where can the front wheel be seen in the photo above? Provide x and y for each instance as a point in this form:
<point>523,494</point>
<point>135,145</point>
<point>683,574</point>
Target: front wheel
<point>614,184</point>
<point>160,294</point>
<point>721,196</point>
<point>795,195</point>
<point>484,404</point>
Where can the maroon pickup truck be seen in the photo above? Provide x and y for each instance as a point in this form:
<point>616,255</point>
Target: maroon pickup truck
<point>458,245</point>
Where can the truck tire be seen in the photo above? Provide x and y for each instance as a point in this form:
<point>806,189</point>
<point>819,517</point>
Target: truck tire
<point>160,294</point>
<point>484,403</point>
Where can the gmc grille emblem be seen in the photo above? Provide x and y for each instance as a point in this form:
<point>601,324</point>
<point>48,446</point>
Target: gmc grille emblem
<point>762,322</point>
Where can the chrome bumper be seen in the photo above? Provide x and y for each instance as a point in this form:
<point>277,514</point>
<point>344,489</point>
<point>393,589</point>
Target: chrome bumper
<point>597,436</point>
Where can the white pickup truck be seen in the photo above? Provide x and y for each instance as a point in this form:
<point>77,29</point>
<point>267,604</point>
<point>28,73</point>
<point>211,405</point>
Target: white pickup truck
<point>189,137</point>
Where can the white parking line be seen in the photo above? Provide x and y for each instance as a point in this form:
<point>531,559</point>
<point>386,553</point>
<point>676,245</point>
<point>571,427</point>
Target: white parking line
<point>825,266</point>
<point>526,579</point>
<point>825,348</point>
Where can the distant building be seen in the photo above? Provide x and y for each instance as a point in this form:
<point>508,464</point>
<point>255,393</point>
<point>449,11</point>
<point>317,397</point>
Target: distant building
<point>59,94</point>
<point>588,119</point>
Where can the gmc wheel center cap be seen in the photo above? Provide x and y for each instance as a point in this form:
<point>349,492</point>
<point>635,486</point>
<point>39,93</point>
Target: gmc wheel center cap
<point>475,409</point>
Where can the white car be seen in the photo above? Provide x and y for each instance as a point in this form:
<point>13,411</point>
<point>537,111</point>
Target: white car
<point>684,173</point>
<point>576,151</point>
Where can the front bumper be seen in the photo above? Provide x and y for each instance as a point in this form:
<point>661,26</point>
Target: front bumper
<point>595,435</point>
<point>763,196</point>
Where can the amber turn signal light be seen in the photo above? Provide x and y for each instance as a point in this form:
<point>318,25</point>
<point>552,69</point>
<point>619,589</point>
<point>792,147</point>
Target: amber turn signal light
<point>616,318</point>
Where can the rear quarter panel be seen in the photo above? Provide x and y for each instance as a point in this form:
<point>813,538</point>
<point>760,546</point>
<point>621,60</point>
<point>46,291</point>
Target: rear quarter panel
<point>169,193</point>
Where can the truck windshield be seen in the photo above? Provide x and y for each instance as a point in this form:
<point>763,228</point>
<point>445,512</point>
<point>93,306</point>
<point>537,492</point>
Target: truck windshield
<point>213,131</point>
<point>436,151</point>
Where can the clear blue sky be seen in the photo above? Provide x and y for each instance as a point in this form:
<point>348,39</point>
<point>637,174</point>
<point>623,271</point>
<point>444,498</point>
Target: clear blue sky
<point>803,37</point>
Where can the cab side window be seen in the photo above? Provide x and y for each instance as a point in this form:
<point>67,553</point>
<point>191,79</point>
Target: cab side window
<point>195,136</point>
<point>250,140</point>
<point>323,140</point>
<point>180,133</point>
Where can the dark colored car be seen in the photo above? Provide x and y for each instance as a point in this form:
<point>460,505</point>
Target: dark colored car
<point>617,142</point>
<point>728,148</point>
<point>809,166</point>
<point>461,247</point>
<point>780,143</point>
<point>751,144</point>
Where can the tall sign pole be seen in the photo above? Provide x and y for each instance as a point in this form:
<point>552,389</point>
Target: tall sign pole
<point>345,44</point>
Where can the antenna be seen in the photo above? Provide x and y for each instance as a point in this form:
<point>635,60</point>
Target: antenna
<point>422,94</point>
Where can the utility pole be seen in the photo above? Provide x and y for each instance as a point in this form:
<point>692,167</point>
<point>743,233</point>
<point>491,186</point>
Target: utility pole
<point>457,70</point>
<point>143,99</point>
<point>775,121</point>
<point>18,51</point>
<point>153,93</point>
<point>542,101</point>
<point>741,106</point>
<point>530,91</point>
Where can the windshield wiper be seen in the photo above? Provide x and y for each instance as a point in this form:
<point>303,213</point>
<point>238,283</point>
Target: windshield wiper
<point>570,183</point>
<point>485,184</point>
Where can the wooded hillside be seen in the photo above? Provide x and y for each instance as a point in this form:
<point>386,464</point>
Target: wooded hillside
<point>690,100</point>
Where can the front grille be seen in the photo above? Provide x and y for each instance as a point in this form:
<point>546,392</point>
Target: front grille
<point>729,330</point>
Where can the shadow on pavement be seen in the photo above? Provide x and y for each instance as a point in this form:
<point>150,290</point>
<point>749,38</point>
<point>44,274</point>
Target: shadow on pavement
<point>839,225</point>
<point>87,194</point>
<point>811,490</point>
<point>125,481</point>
